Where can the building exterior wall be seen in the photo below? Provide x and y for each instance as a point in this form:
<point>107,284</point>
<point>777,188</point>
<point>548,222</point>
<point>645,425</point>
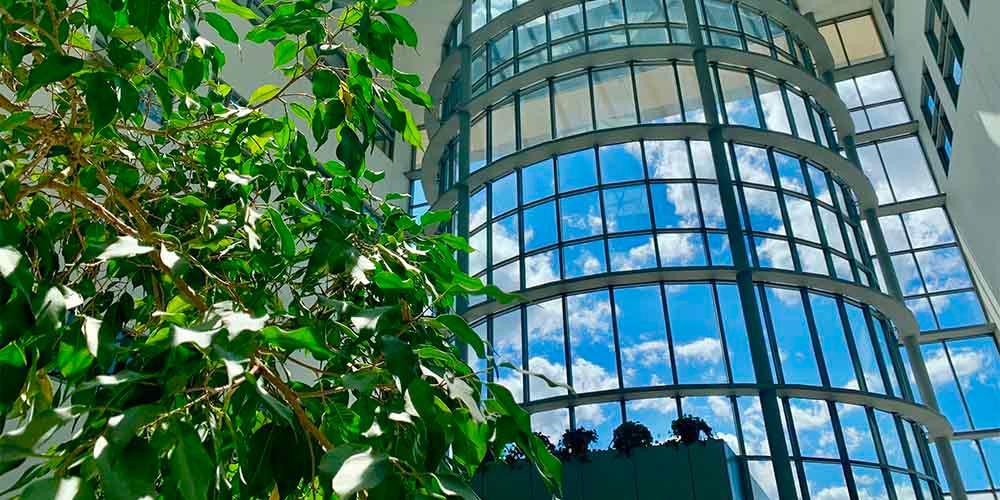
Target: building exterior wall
<point>690,232</point>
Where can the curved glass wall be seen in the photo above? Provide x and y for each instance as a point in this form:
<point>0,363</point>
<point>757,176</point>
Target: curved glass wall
<point>656,204</point>
<point>744,254</point>
<point>629,341</point>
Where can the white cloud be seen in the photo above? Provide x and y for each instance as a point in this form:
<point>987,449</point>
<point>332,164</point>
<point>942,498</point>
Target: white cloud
<point>591,317</point>
<point>545,321</point>
<point>551,423</point>
<point>537,387</point>
<point>968,364</point>
<point>678,249</point>
<point>810,415</point>
<point>646,354</point>
<point>541,269</point>
<point>636,257</point>
<point>589,377</point>
<point>668,159</point>
<point>704,350</point>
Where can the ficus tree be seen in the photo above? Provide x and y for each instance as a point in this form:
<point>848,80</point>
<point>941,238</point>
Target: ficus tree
<point>192,299</point>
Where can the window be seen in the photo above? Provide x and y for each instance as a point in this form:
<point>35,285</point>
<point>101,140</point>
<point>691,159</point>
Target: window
<point>853,40</point>
<point>945,44</point>
<point>937,120</point>
<point>418,201</point>
<point>874,101</point>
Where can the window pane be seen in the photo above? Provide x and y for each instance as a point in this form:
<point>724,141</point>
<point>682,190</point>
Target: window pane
<point>504,195</point>
<point>674,206</point>
<point>907,169</point>
<point>803,127</point>
<point>551,423</point>
<point>693,109</point>
<point>764,211</point>
<point>857,433</point>
<point>943,269</point>
<point>737,341</point>
<point>711,206</point>
<point>803,222</point>
<point>632,252</point>
<point>531,34</point>
<point>585,259</point>
<point>701,157</point>
<point>507,349</point>
<point>791,332</point>
<point>681,249</point>
<point>614,103</point>
<point>871,483</point>
<point>566,21</point>
<point>577,170</point>
<point>695,329</point>
<point>477,149</point>
<point>655,413</point>
<point>621,162</point>
<point>891,442</point>
<point>644,11</point>
<point>536,121</point>
<point>626,209</point>
<point>814,431</point>
<point>773,104</point>
<point>594,365</point>
<point>878,87</point>
<point>540,226</point>
<point>541,268</point>
<point>545,348</point>
<point>477,259</point>
<point>668,159</point>
<point>836,354</point>
<point>659,101</point>
<point>537,181</point>
<point>753,164</point>
<point>602,418</point>
<point>738,98</point>
<point>572,105</point>
<point>580,216</point>
<point>861,39</point>
<point>866,351</point>
<point>603,13</point>
<point>975,361</point>
<point>642,332</point>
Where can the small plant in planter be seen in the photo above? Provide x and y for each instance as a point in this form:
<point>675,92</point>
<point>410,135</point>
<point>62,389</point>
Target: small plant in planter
<point>688,429</point>
<point>631,435</point>
<point>575,443</point>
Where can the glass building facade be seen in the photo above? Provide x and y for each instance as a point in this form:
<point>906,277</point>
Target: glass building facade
<point>701,219</point>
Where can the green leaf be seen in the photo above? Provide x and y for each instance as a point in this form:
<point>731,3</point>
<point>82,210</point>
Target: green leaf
<point>192,201</point>
<point>435,217</point>
<point>301,338</point>
<point>102,101</point>
<point>65,488</point>
<point>72,360</point>
<point>230,7</point>
<point>99,14</point>
<point>222,26</point>
<point>129,474</point>
<point>145,14</point>
<point>287,240</point>
<point>324,84</point>
<point>461,329</point>
<point>391,281</point>
<point>13,374</point>
<point>15,120</point>
<point>55,68</point>
<point>190,465</point>
<point>263,93</point>
<point>194,72</point>
<point>357,472</point>
<point>401,28</point>
<point>125,246</point>
<point>284,52</point>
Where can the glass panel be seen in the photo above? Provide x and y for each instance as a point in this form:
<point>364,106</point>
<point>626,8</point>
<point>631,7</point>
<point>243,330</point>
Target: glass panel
<point>477,259</point>
<point>668,159</point>
<point>871,483</point>
<point>694,327</point>
<point>791,332</point>
<point>907,169</point>
<point>591,342</point>
<point>614,102</point>
<point>861,39</point>
<point>753,164</point>
<point>504,195</point>
<point>674,206</point>
<point>943,269</point>
<point>942,378</point>
<point>602,418</point>
<point>857,433</point>
<point>866,351</point>
<point>656,413</point>
<point>580,216</point>
<point>891,442</point>
<point>775,115</point>
<point>477,149</point>
<point>604,13</point>
<point>572,105</point>
<point>531,34</point>
<point>505,239</point>
<point>642,332</point>
<point>711,206</point>
<point>975,361</point>
<point>621,163</point>
<point>774,253</point>
<point>814,430</point>
<point>681,249</point>
<point>537,181</point>
<point>566,21</point>
<point>720,14</point>
<point>659,99</point>
<point>703,160</point>
<point>546,354</point>
<point>645,11</point>
<point>803,127</point>
<point>836,354</point>
<point>501,49</point>
<point>693,110</point>
<point>764,211</point>
<point>541,268</point>
<point>626,209</point>
<point>878,87</point>
<point>632,252</point>
<point>551,423</point>
<point>737,341</point>
<point>577,170</point>
<point>800,214</point>
<point>739,101</point>
<point>585,259</point>
<point>536,120</point>
<point>540,226</point>
<point>507,349</point>
<point>790,173</point>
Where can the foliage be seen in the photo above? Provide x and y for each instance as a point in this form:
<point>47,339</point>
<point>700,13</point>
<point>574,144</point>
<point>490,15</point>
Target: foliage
<point>514,453</point>
<point>575,443</point>
<point>631,435</point>
<point>217,313</point>
<point>689,429</point>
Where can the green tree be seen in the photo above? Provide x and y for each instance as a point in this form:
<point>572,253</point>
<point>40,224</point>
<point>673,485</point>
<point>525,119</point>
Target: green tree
<point>170,253</point>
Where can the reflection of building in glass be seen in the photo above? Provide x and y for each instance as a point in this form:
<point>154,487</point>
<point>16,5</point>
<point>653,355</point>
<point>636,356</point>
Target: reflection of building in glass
<point>722,209</point>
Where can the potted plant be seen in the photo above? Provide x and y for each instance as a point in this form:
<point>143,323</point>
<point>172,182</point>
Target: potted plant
<point>576,442</point>
<point>629,436</point>
<point>688,429</point>
<point>513,453</point>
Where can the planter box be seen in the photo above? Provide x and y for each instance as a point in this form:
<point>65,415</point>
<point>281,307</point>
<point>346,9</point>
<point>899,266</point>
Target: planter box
<point>701,471</point>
